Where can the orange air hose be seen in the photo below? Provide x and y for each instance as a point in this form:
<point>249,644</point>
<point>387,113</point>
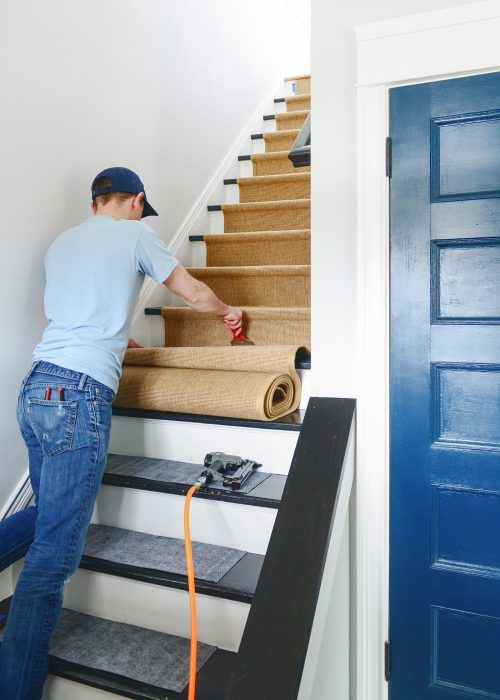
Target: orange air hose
<point>192,594</point>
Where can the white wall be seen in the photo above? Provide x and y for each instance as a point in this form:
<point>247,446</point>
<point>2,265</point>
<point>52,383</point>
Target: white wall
<point>333,68</point>
<point>161,87</point>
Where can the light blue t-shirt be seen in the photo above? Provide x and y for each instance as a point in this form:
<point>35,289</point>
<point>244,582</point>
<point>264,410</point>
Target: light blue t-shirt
<point>94,274</point>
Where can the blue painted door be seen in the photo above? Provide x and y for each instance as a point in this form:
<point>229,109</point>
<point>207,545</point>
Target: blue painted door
<point>445,390</point>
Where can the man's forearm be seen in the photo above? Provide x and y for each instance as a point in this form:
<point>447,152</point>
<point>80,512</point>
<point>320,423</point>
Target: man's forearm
<point>203,299</point>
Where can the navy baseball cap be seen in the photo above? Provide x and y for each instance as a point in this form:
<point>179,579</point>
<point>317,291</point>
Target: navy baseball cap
<point>122,180</point>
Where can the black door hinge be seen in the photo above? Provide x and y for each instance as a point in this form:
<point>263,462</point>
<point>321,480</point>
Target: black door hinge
<point>388,157</point>
<point>387,660</point>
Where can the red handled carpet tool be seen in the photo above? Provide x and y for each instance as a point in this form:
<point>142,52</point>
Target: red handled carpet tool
<point>239,338</point>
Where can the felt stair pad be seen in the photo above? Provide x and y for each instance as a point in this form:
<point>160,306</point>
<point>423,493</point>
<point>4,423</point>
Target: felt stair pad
<point>211,562</point>
<point>156,658</point>
<point>172,471</point>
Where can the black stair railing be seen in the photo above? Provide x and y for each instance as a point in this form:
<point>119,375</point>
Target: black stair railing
<point>300,153</point>
<point>272,654</point>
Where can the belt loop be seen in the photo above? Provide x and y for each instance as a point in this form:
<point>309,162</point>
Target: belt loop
<point>82,381</point>
<point>33,367</point>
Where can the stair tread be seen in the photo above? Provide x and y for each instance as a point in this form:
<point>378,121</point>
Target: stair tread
<point>211,677</point>
<point>238,583</point>
<point>252,235</point>
<point>270,179</point>
<point>273,134</point>
<point>241,270</point>
<point>267,493</point>
<point>293,421</point>
<point>288,115</point>
<point>275,204</point>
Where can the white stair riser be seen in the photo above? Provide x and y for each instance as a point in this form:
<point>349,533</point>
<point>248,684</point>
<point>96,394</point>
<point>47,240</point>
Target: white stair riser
<point>220,621</point>
<point>246,168</point>
<point>269,125</point>
<point>258,146</point>
<point>289,88</point>
<point>189,442</point>
<point>216,221</point>
<point>232,194</point>
<point>235,525</point>
<point>305,380</point>
<point>199,254</point>
<point>280,107</point>
<point>61,689</point>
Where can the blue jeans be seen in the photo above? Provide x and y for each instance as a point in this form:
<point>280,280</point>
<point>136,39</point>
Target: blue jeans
<point>67,437</point>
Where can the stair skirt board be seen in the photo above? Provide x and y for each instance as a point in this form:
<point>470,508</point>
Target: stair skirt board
<point>291,120</point>
<point>267,216</point>
<point>189,442</point>
<point>277,163</point>
<point>221,621</point>
<point>172,471</point>
<point>273,188</point>
<point>281,141</point>
<point>164,554</point>
<point>264,325</point>
<point>235,525</point>
<point>259,285</point>
<point>266,248</point>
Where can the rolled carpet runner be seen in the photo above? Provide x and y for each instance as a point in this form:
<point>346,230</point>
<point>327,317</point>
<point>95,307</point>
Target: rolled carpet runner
<point>253,382</point>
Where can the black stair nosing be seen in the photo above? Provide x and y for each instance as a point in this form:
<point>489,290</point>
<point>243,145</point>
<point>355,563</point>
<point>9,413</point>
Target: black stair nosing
<point>280,99</point>
<point>292,422</point>
<point>237,584</point>
<point>270,498</point>
<point>255,137</point>
<point>211,678</point>
<point>214,207</point>
<point>246,157</point>
<point>269,117</point>
<point>231,181</point>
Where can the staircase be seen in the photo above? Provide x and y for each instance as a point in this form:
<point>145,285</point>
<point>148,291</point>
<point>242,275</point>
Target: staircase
<point>124,626</point>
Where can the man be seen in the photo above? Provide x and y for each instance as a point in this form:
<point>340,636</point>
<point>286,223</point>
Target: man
<point>94,273</point>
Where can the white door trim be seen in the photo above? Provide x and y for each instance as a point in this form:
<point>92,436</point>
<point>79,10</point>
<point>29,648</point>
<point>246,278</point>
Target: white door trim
<point>420,48</point>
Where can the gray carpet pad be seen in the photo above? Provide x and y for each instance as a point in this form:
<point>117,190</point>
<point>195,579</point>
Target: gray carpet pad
<point>169,470</point>
<point>211,562</point>
<point>145,655</point>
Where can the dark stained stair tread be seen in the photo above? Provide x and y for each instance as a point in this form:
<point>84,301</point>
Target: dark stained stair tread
<point>292,421</point>
<point>137,473</point>
<point>119,558</point>
<point>211,680</point>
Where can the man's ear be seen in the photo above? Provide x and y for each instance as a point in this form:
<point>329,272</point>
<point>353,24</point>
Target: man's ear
<point>93,206</point>
<point>138,201</point>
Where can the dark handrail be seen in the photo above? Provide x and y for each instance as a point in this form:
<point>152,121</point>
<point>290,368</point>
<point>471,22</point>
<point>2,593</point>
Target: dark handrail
<point>300,153</point>
<point>271,657</point>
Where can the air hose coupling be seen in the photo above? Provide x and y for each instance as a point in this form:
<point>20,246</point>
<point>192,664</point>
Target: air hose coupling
<point>205,479</point>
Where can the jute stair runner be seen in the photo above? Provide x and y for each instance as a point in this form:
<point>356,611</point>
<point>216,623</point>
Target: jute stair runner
<point>298,103</point>
<point>243,382</point>
<point>302,84</point>
<point>263,248</point>
<point>264,325</point>
<point>267,216</point>
<point>275,163</point>
<point>291,120</point>
<point>271,188</point>
<point>258,285</point>
<point>280,140</point>
<point>261,263</point>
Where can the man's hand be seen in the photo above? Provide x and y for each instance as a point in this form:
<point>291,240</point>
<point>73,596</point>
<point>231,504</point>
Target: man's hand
<point>233,320</point>
<point>134,344</point>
